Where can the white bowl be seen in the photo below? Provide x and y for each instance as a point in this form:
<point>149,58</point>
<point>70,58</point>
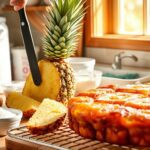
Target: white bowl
<point>10,122</point>
<point>87,82</point>
<point>82,65</point>
<point>16,86</point>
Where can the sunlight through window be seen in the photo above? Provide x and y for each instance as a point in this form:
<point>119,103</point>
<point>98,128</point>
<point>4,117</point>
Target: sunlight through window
<point>148,18</point>
<point>98,15</point>
<point>121,16</point>
<point>130,17</point>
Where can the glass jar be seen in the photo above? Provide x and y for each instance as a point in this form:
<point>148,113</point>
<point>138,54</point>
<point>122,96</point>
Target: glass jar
<point>5,65</point>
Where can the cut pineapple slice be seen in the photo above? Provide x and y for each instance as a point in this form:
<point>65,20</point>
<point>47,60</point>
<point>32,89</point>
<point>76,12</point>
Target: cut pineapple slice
<point>49,116</point>
<point>50,86</point>
<point>24,103</point>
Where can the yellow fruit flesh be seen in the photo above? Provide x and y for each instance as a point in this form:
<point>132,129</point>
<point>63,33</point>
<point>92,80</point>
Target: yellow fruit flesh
<point>48,112</point>
<point>18,101</point>
<point>50,86</point>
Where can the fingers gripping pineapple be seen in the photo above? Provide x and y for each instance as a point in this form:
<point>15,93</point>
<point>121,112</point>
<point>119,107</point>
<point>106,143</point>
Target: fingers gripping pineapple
<point>64,20</point>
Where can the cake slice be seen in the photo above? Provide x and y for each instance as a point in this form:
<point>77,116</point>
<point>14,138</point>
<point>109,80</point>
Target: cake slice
<point>24,103</point>
<point>48,117</point>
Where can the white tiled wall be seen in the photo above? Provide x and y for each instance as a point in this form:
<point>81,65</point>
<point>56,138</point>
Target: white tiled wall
<point>103,55</point>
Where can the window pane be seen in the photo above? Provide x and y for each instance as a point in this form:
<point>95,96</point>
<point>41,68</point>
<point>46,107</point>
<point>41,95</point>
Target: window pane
<point>130,20</point>
<point>97,16</point>
<point>148,17</point>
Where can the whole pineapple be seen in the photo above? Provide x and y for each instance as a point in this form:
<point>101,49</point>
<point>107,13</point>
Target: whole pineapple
<point>64,20</point>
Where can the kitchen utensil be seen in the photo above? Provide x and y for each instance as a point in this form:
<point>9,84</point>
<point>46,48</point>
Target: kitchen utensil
<point>62,139</point>
<point>26,33</point>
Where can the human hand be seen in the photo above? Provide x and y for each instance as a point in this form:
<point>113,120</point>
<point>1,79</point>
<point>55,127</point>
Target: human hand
<point>18,4</point>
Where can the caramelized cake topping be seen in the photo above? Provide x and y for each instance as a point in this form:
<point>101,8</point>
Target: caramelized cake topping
<point>121,117</point>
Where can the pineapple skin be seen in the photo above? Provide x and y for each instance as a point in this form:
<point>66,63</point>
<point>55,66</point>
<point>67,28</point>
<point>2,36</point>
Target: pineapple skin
<point>58,82</point>
<point>47,128</point>
<point>67,78</point>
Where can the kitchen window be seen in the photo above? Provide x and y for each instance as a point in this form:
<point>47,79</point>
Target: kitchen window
<point>123,24</point>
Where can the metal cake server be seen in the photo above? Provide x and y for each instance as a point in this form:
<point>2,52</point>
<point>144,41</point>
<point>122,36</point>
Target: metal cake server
<point>29,46</point>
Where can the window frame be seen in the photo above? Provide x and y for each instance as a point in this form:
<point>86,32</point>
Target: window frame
<point>114,41</point>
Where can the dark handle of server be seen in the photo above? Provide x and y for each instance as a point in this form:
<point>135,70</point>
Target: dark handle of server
<point>29,46</point>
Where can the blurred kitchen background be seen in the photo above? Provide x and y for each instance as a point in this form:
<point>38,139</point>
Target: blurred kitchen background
<point>108,30</point>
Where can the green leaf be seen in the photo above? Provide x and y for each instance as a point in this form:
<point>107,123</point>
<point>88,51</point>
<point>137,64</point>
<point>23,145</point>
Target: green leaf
<point>57,47</point>
<point>56,33</point>
<point>55,37</point>
<point>61,39</point>
<point>58,29</point>
<point>65,7</point>
<point>60,6</point>
<point>55,10</point>
<point>66,35</point>
<point>62,44</point>
<point>63,21</point>
<point>58,53</point>
<point>77,20</point>
<point>53,42</point>
<point>66,27</point>
<point>78,8</point>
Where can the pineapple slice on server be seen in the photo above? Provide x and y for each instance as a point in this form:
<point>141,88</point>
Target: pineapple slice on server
<point>64,21</point>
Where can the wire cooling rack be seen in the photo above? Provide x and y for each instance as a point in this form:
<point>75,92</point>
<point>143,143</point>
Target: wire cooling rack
<point>65,139</point>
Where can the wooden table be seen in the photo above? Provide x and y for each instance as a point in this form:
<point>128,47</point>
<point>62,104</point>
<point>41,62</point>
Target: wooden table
<point>2,139</point>
<point>2,143</point>
<point>19,144</point>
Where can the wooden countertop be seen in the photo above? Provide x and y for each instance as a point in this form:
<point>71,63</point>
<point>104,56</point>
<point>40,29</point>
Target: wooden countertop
<point>2,143</point>
<point>2,139</point>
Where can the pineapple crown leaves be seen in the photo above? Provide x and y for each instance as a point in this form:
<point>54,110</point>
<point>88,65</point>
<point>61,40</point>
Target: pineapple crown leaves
<point>64,21</point>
